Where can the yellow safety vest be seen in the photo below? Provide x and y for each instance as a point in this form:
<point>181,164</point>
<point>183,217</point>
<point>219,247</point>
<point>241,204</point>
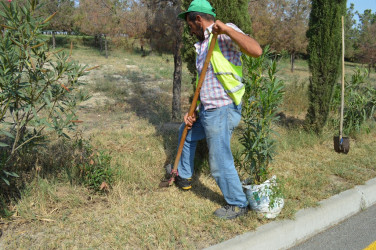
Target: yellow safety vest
<point>228,74</point>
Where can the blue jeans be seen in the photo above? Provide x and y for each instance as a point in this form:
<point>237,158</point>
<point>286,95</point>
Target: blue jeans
<point>216,125</point>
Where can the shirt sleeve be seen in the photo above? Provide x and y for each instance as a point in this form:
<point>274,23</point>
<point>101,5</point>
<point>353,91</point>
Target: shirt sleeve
<point>230,50</point>
<point>227,41</point>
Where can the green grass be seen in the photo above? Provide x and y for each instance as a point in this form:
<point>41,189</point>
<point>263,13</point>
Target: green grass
<point>128,117</point>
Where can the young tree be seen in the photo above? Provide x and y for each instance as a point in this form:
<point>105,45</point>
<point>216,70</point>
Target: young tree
<point>262,20</point>
<point>111,18</point>
<point>282,24</point>
<point>164,32</point>
<point>63,20</point>
<point>161,27</point>
<point>367,39</point>
<point>98,18</point>
<point>295,28</point>
<point>133,19</point>
<point>325,51</point>
<point>351,34</point>
<point>267,20</point>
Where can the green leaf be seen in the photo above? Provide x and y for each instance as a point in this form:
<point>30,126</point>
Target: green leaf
<point>3,145</point>
<point>11,173</point>
<point>24,10</point>
<point>2,13</point>
<point>5,180</point>
<point>7,133</point>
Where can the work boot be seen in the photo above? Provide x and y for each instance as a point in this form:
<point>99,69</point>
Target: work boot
<point>183,183</point>
<point>230,212</point>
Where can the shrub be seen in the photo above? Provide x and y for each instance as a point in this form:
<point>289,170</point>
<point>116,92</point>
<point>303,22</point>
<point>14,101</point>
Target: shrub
<point>37,85</point>
<point>263,95</point>
<point>360,102</point>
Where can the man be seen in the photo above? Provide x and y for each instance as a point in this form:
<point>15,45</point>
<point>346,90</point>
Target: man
<point>220,104</point>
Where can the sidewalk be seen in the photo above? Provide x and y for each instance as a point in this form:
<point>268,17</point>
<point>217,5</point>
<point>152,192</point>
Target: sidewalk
<point>308,222</point>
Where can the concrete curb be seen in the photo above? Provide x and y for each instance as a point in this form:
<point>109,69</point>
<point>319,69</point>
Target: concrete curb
<point>308,222</point>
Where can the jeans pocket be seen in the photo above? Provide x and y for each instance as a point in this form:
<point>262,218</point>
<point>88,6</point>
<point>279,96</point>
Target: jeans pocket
<point>235,115</point>
<point>237,108</point>
<point>211,110</point>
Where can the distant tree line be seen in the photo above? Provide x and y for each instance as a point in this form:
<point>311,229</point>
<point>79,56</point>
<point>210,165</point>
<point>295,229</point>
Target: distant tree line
<point>282,24</point>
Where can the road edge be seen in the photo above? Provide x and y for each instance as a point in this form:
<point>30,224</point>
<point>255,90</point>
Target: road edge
<point>307,223</point>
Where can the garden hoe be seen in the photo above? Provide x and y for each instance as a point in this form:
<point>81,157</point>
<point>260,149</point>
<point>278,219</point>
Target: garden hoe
<point>174,171</point>
<point>342,144</point>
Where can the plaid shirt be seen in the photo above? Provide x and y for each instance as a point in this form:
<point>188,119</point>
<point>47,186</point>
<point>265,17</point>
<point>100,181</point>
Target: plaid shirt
<point>212,94</point>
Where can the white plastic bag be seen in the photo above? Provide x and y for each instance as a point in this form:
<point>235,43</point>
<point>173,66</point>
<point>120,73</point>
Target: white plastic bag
<point>258,197</point>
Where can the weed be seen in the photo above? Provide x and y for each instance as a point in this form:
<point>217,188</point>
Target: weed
<point>91,168</point>
<point>4,211</point>
<point>360,103</point>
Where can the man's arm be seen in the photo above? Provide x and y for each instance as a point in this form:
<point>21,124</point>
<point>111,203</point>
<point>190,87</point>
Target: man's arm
<point>248,45</point>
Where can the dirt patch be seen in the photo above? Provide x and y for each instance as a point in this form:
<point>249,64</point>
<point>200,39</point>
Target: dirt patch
<point>97,99</point>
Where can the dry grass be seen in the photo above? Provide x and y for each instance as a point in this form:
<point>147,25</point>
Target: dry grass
<point>134,129</point>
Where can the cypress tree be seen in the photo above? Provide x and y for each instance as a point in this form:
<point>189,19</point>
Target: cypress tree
<point>324,49</point>
<point>234,11</point>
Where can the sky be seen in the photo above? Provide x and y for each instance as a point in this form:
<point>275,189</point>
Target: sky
<point>361,5</point>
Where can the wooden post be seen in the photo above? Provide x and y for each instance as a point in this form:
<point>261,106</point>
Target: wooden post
<point>343,82</point>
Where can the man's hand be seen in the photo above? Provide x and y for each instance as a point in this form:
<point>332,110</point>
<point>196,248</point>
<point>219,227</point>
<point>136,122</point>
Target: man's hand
<point>220,28</point>
<point>189,120</point>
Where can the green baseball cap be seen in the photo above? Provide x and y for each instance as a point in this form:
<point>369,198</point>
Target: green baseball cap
<point>202,6</point>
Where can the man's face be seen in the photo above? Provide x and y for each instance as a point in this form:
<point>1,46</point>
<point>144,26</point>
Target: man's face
<point>195,28</point>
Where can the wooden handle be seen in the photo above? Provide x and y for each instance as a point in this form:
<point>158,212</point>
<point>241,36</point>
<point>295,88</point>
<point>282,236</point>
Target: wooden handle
<point>193,104</point>
<point>342,82</point>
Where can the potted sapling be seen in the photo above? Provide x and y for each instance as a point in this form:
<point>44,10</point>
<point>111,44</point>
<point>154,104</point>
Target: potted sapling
<point>263,95</point>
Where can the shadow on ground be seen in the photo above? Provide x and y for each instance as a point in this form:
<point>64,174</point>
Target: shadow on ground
<point>289,122</point>
<point>155,107</point>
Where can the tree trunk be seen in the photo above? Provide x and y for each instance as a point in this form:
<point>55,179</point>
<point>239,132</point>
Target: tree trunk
<point>101,42</point>
<point>369,69</point>
<point>53,40</point>
<point>292,59</point>
<point>96,40</point>
<point>176,85</point>
<point>142,45</point>
<point>105,46</point>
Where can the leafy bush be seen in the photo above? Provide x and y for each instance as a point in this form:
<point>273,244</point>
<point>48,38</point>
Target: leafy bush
<point>91,168</point>
<point>4,211</point>
<point>263,95</point>
<point>37,86</point>
<point>360,102</point>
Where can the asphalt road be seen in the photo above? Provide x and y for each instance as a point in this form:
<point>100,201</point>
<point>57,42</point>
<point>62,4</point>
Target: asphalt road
<point>355,233</point>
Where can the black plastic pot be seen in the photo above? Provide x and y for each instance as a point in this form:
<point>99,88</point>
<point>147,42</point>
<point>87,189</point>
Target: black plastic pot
<point>343,147</point>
